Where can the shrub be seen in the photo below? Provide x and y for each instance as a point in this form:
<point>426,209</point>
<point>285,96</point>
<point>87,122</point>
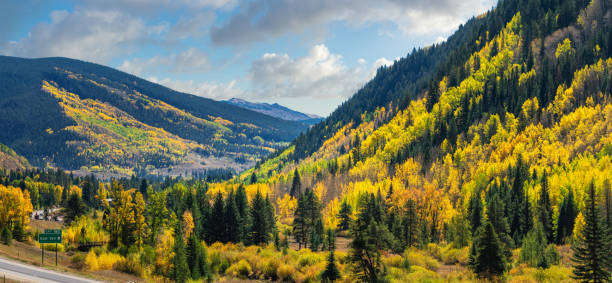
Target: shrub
<point>417,258</point>
<point>107,260</point>
<point>128,266</point>
<point>78,261</point>
<point>51,247</point>
<point>6,236</point>
<point>91,260</point>
<point>270,266</point>
<point>147,257</point>
<point>552,255</point>
<point>453,256</point>
<point>286,273</point>
<point>241,269</point>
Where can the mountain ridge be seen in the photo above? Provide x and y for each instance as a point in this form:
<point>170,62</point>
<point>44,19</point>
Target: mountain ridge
<point>38,95</point>
<point>276,110</point>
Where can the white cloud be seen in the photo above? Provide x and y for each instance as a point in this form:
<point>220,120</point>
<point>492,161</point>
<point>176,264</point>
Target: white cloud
<point>263,19</point>
<point>206,89</point>
<point>318,74</point>
<point>189,61</point>
<point>89,35</point>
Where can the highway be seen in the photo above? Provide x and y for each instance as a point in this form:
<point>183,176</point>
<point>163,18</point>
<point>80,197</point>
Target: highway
<point>27,273</point>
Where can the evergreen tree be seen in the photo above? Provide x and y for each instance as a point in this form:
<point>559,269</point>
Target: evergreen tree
<point>296,185</point>
<point>74,207</point>
<point>545,211</point>
<point>242,203</point>
<point>410,224</point>
<point>488,260</point>
<point>193,256</point>
<point>6,236</point>
<point>233,229</point>
<point>345,216</point>
<point>180,271</point>
<point>369,238</point>
<point>432,95</point>
<point>253,179</point>
<point>460,231</point>
<point>475,211</point>
<point>144,186</point>
<point>331,272</point>
<point>217,222</point>
<point>300,226</point>
<point>567,215</point>
<point>533,248</point>
<point>592,257</point>
<point>495,216</point>
<point>258,230</point>
<point>608,203</point>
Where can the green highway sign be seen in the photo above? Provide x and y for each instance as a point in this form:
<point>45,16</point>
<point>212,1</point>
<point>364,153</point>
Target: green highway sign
<point>53,231</point>
<point>50,238</point>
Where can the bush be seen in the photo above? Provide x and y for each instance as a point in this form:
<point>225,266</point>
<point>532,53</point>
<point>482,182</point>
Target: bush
<point>78,261</point>
<point>286,273</point>
<point>6,236</point>
<point>270,266</point>
<point>552,255</point>
<point>51,247</point>
<point>128,266</point>
<point>147,257</point>
<point>241,269</point>
<point>417,258</point>
<point>107,260</point>
<point>91,261</point>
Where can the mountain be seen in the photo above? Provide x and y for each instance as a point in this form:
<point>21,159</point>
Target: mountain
<point>517,100</point>
<point>60,112</point>
<point>276,110</point>
<point>10,160</point>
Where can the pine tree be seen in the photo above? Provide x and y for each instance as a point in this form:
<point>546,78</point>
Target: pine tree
<point>345,216</point>
<point>242,203</point>
<point>432,95</point>
<point>296,186</point>
<point>217,220</point>
<point>74,207</point>
<point>475,211</point>
<point>567,217</point>
<point>180,272</point>
<point>545,210</point>
<point>368,239</point>
<point>253,179</point>
<point>608,203</point>
<point>6,236</point>
<point>331,272</point>
<point>488,260</point>
<point>193,256</point>
<point>592,258</point>
<point>233,229</point>
<point>410,224</point>
<point>495,216</point>
<point>258,231</point>
<point>300,226</point>
<point>144,186</point>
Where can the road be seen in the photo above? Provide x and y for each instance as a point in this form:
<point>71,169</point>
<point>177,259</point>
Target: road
<point>28,273</point>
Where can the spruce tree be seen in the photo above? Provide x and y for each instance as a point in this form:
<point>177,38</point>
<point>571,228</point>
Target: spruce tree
<point>488,259</point>
<point>242,203</point>
<point>567,217</point>
<point>592,257</point>
<point>233,229</point>
<point>216,222</point>
<point>410,224</point>
<point>331,272</point>
<point>300,226</point>
<point>258,232</point>
<point>345,216</point>
<point>475,211</point>
<point>296,185</point>
<point>545,210</point>
<point>496,217</point>
<point>194,256</point>
<point>180,271</point>
<point>369,238</point>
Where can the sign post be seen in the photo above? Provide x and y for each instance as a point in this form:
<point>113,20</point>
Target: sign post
<point>51,236</point>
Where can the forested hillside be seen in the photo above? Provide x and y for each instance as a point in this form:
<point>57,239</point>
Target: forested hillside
<point>77,115</point>
<point>485,158</point>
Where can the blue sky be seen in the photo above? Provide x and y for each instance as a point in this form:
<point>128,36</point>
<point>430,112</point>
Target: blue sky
<point>309,55</point>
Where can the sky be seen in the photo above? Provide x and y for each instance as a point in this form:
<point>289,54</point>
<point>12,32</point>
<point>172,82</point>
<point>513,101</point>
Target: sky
<point>309,55</point>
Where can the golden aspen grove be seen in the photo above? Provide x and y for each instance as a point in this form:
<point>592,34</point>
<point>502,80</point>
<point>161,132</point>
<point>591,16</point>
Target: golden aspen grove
<point>483,158</point>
